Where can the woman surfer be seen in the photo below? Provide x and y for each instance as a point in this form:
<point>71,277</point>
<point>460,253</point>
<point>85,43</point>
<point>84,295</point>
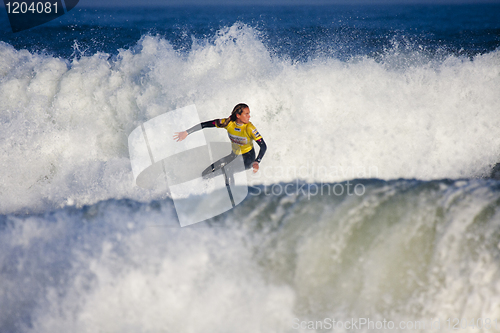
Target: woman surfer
<point>241,132</point>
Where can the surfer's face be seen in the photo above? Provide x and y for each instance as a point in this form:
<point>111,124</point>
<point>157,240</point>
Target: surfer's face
<point>244,117</point>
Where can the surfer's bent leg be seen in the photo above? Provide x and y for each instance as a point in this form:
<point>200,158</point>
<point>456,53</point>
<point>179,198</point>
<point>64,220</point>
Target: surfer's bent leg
<point>212,169</point>
<point>248,159</point>
<point>230,170</point>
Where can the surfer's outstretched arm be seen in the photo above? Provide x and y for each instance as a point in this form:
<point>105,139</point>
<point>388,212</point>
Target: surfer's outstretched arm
<point>179,136</point>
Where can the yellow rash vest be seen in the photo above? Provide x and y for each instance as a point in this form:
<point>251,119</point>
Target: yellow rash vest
<point>241,136</point>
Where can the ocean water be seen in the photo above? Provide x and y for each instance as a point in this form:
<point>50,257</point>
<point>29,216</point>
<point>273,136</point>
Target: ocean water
<point>373,202</point>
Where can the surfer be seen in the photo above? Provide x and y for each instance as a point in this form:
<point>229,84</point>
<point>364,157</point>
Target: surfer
<point>241,132</point>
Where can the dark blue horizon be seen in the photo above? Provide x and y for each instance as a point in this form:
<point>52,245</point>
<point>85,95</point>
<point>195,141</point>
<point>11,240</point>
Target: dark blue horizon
<point>168,3</point>
<point>270,3</point>
<point>340,31</point>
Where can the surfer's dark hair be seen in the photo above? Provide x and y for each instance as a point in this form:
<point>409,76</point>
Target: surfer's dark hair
<point>238,109</point>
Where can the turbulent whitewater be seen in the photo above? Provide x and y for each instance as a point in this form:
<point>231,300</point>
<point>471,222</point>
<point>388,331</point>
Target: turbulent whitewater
<point>65,122</point>
<point>404,251</point>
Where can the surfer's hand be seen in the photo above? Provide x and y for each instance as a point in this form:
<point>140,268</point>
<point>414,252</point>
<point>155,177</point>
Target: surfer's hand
<point>255,166</point>
<point>179,136</point>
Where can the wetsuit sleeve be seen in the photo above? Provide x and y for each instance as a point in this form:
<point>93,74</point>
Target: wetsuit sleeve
<point>262,150</point>
<point>205,124</point>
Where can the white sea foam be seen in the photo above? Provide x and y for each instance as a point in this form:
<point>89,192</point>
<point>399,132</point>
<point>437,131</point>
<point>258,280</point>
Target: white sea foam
<point>404,251</point>
<point>64,124</point>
